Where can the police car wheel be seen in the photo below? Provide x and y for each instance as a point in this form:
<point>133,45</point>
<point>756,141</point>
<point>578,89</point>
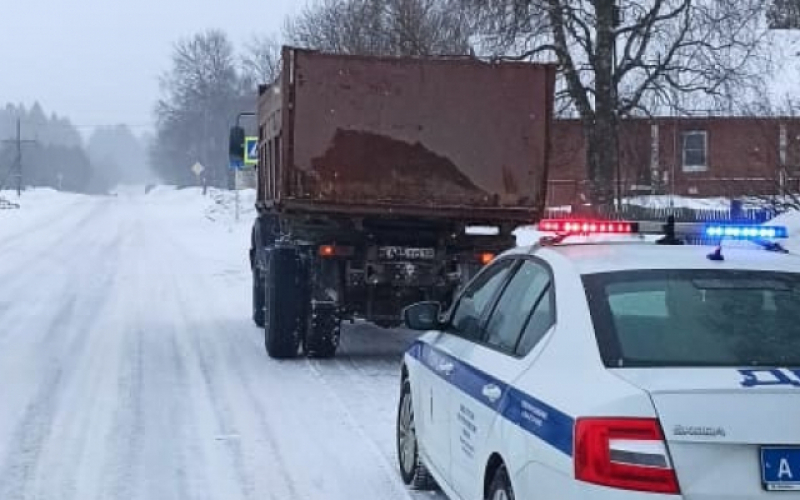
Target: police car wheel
<point>412,469</point>
<point>500,489</point>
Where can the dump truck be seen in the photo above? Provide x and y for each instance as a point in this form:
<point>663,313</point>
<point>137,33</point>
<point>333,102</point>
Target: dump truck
<point>384,181</point>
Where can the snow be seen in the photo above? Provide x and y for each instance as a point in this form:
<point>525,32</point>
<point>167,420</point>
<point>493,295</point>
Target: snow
<point>131,368</point>
<point>786,67</point>
<point>667,201</point>
<point>791,220</point>
<point>528,235</point>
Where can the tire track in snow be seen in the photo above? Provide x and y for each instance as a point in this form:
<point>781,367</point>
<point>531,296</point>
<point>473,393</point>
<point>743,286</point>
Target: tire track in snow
<point>298,391</point>
<point>58,228</point>
<point>125,435</point>
<point>204,396</point>
<point>158,385</point>
<point>208,358</point>
<point>38,264</point>
<point>346,376</point>
<point>28,443</point>
<point>18,473</point>
<point>391,476</point>
<point>84,417</point>
<point>36,225</point>
<point>310,394</point>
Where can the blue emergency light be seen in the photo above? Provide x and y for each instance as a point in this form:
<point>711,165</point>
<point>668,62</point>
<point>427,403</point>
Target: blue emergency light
<point>744,232</point>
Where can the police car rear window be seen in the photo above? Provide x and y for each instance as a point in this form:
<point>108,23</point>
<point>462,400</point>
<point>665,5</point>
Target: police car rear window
<point>683,318</point>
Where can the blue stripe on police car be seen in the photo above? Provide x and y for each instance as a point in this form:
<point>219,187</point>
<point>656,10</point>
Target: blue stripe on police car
<point>531,414</point>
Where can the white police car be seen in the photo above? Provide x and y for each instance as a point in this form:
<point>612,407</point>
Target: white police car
<point>574,371</point>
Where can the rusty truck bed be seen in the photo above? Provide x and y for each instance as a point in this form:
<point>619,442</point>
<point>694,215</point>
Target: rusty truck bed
<point>405,136</point>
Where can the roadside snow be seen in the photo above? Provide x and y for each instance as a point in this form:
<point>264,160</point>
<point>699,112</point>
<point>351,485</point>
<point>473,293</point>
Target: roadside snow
<point>666,201</point>
<point>791,220</point>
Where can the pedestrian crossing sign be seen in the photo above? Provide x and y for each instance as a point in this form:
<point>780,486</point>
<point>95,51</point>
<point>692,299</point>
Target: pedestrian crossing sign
<point>250,151</point>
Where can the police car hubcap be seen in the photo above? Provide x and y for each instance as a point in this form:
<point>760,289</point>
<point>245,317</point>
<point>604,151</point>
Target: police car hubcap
<point>408,438</point>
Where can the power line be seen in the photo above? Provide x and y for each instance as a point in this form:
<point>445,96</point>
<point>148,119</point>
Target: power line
<point>112,125</point>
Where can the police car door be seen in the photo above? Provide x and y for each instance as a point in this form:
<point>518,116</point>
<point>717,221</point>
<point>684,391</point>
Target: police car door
<point>465,323</point>
<point>521,316</point>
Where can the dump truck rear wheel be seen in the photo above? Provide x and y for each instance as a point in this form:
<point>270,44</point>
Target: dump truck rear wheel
<point>286,297</point>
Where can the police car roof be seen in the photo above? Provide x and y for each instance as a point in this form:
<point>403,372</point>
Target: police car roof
<point>592,258</point>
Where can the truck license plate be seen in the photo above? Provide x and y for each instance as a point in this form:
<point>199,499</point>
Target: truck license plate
<point>391,253</point>
<point>780,468</point>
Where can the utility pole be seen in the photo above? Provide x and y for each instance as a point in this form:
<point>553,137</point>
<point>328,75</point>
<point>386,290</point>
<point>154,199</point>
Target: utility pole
<point>16,168</point>
<point>617,21</point>
<point>236,171</point>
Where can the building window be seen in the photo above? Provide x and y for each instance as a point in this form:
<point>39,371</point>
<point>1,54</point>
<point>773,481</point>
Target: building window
<point>695,151</point>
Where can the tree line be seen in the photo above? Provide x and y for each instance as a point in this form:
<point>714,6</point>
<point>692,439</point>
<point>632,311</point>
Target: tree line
<point>616,59</point>
<point>59,157</point>
<point>206,86</point>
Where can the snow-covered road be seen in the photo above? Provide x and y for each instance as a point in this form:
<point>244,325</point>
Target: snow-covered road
<point>129,367</point>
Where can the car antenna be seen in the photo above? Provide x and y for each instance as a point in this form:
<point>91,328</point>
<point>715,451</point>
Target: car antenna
<point>669,233</point>
<point>716,255</point>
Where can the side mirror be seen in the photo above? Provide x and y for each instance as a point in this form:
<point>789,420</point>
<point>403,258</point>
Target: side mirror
<point>236,144</point>
<point>423,316</point>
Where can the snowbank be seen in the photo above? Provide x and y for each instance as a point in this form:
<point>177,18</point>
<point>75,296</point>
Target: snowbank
<point>666,201</point>
<point>36,207</point>
<point>217,205</point>
<point>791,220</point>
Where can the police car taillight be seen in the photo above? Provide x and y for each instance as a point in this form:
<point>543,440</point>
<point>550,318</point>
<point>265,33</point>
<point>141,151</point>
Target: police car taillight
<point>624,453</point>
<point>567,226</point>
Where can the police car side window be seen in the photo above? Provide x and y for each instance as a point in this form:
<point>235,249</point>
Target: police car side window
<point>466,319</point>
<point>540,322</point>
<point>515,306</point>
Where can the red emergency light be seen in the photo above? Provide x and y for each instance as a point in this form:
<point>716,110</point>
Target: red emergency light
<point>580,226</point>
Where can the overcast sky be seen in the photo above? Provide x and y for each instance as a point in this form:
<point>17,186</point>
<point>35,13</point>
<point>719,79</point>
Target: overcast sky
<point>98,61</point>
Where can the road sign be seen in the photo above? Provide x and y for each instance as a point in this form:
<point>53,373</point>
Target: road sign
<point>250,151</point>
<point>198,169</point>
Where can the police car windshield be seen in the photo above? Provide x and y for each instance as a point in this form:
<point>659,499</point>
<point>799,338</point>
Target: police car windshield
<point>678,318</point>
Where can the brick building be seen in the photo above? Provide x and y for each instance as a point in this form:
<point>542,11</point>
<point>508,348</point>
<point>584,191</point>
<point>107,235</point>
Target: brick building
<point>704,157</point>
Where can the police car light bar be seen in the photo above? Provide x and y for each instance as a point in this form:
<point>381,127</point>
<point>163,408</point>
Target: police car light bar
<point>579,226</point>
<point>744,232</point>
<point>673,232</point>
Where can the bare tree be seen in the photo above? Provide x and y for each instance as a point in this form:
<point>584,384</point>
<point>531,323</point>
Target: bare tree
<point>626,57</point>
<point>261,60</point>
<point>200,94</point>
<point>784,14</point>
<point>381,27</point>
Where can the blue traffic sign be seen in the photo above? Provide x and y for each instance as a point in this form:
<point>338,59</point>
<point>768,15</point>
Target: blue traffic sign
<point>250,151</point>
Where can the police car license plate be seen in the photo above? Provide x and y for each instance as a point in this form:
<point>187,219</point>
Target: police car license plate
<point>780,469</point>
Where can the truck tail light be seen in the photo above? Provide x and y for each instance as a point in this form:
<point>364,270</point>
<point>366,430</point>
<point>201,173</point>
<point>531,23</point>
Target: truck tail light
<point>624,453</point>
<point>335,251</point>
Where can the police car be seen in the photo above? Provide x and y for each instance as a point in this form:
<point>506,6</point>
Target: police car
<point>580,370</point>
